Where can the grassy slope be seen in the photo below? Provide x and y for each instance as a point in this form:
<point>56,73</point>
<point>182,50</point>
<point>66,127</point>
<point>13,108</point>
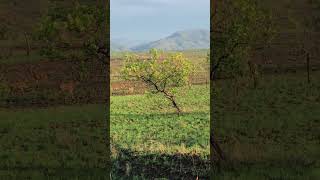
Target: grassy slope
<point>54,143</point>
<point>272,132</point>
<point>155,142</point>
<point>68,142</point>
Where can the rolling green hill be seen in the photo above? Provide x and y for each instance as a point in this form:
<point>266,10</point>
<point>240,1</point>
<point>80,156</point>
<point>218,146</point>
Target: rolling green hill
<point>181,40</point>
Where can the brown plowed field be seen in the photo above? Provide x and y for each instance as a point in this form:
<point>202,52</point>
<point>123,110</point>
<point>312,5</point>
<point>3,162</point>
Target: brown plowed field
<point>39,83</point>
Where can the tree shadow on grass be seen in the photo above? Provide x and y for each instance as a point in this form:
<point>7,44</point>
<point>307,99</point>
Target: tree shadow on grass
<point>265,169</point>
<point>149,166</point>
<point>41,172</point>
<point>128,163</point>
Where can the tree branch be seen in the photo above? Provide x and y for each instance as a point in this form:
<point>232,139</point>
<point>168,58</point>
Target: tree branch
<point>221,59</point>
<point>166,94</point>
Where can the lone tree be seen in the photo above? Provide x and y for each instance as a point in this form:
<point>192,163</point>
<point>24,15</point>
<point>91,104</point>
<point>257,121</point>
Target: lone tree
<point>237,28</point>
<point>80,26</point>
<point>161,74</point>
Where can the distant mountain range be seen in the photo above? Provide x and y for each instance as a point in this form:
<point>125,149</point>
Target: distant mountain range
<point>181,40</point>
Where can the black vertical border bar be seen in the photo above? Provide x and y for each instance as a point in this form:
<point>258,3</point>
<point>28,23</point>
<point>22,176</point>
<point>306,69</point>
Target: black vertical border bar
<point>104,48</point>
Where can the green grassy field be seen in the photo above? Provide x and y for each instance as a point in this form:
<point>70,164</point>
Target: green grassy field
<point>272,132</point>
<point>68,142</point>
<point>53,143</point>
<point>149,138</point>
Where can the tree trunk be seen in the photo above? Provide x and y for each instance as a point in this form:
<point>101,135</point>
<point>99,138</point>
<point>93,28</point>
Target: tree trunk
<point>215,147</point>
<point>254,73</point>
<point>213,68</point>
<point>175,105</point>
<point>104,33</point>
<point>308,67</point>
<point>104,56</point>
<point>172,99</point>
<point>27,43</point>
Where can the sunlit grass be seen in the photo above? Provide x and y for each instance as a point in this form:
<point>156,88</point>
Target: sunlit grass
<point>149,128</point>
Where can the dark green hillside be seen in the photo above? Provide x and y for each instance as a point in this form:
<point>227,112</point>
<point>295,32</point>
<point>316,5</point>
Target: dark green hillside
<point>181,40</point>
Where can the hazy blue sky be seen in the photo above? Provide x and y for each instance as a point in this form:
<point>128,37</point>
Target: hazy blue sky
<point>154,19</point>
